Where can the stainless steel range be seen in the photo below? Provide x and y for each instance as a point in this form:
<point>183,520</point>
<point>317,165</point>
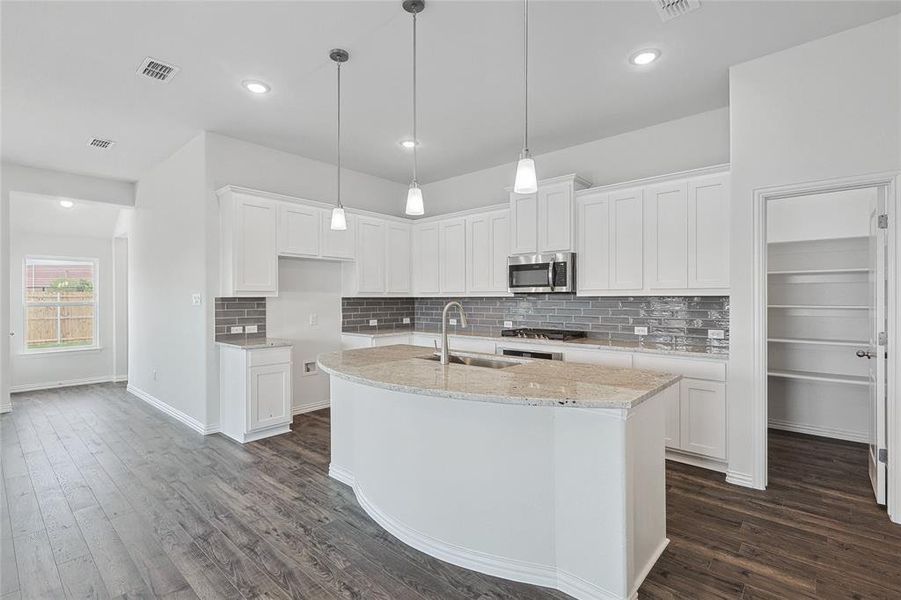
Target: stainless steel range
<point>532,333</point>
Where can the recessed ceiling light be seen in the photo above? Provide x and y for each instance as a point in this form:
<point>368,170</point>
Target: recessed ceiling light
<point>256,87</point>
<point>644,57</point>
<point>66,203</point>
<point>408,144</point>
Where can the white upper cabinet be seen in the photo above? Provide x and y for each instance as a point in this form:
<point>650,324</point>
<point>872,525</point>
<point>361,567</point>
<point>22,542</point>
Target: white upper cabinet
<point>298,229</point>
<point>397,259</point>
<point>543,222</point>
<point>626,235</point>
<point>337,244</point>
<point>426,259</point>
<point>708,232</point>
<point>249,255</point>
<point>666,236</point>
<point>609,252</point>
<point>372,239</point>
<point>452,253</point>
<point>593,252</point>
<point>487,248</point>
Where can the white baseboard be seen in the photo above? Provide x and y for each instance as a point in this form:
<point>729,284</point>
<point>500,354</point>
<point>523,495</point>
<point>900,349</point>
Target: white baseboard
<point>172,412</point>
<point>120,378</point>
<point>299,410</point>
<point>51,385</point>
<point>741,479</point>
<point>5,408</point>
<point>829,432</point>
<point>340,474</point>
<point>696,461</point>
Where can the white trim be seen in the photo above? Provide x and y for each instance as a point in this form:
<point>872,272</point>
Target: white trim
<point>462,213</point>
<point>5,408</point>
<point>830,432</point>
<point>63,350</point>
<point>171,411</point>
<point>690,173</point>
<point>704,462</point>
<point>640,576</point>
<point>742,479</point>
<point>119,378</point>
<point>33,387</point>
<point>569,177</point>
<point>341,474</point>
<point>299,410</point>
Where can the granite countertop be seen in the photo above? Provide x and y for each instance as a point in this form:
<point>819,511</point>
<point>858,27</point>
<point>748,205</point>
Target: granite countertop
<point>255,343</point>
<point>591,343</point>
<point>532,382</point>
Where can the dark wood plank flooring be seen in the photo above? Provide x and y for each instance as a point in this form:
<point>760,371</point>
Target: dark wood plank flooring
<point>101,496</point>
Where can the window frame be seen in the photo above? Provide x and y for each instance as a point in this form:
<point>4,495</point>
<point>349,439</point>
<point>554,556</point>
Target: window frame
<point>95,346</point>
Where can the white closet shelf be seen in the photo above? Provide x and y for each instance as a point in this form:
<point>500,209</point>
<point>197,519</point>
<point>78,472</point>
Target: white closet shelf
<point>825,377</point>
<point>819,271</point>
<point>822,306</point>
<point>814,342</point>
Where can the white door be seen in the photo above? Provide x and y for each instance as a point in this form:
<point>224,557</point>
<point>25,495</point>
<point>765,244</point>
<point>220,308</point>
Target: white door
<point>593,255</point>
<point>626,235</point>
<point>555,217</point>
<point>524,223</point>
<point>270,396</point>
<point>256,252</point>
<point>425,258</point>
<point>708,232</point>
<point>397,262</point>
<point>452,253</point>
<point>702,420</point>
<point>875,354</point>
<point>666,236</point>
<point>371,246</point>
<point>337,244</point>
<point>298,230</point>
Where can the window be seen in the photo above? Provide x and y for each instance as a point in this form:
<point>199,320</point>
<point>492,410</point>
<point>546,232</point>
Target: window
<point>60,304</point>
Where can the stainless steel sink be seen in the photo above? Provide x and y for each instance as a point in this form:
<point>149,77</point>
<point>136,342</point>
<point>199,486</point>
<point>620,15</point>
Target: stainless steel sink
<point>475,361</point>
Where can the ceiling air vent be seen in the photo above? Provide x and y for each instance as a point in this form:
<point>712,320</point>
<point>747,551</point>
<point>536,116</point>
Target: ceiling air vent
<point>157,70</point>
<point>101,143</point>
<point>670,9</point>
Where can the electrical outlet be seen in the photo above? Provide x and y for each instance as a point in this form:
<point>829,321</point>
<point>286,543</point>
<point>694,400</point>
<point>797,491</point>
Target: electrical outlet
<point>314,319</point>
<point>508,323</point>
<point>236,329</point>
<point>406,320</point>
<point>452,321</point>
<point>155,375</point>
<point>716,334</point>
<point>310,368</point>
<point>373,322</point>
<point>641,331</point>
<point>251,329</point>
<point>196,299</point>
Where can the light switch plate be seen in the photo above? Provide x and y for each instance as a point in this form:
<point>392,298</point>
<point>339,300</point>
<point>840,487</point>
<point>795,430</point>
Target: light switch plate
<point>641,331</point>
<point>373,322</point>
<point>716,334</point>
<point>406,320</point>
<point>508,323</point>
<point>251,329</point>
<point>452,321</point>
<point>196,299</point>
<point>236,329</point>
<point>314,319</point>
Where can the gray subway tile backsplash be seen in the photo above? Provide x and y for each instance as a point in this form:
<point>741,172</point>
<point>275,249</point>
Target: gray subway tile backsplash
<point>239,311</point>
<point>673,322</point>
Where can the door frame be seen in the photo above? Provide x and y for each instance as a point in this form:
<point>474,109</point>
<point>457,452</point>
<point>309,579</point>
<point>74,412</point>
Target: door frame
<point>891,182</point>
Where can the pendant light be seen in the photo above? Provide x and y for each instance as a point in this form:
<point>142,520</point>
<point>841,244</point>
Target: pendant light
<point>526,181</point>
<point>339,219</point>
<point>414,194</point>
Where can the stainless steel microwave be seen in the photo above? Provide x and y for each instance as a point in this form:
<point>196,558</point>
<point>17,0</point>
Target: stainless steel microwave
<point>541,273</point>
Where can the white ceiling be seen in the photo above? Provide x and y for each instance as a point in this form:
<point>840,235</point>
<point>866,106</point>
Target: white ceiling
<point>36,213</point>
<point>68,73</point>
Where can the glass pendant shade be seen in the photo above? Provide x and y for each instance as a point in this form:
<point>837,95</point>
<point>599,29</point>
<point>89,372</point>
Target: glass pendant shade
<point>526,181</point>
<point>414,201</point>
<point>339,220</point>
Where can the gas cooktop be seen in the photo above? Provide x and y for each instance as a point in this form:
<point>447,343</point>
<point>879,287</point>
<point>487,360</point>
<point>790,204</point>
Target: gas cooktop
<point>543,334</point>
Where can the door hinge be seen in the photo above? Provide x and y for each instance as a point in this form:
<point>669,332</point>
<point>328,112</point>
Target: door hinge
<point>883,455</point>
<point>883,221</point>
<point>882,338</point>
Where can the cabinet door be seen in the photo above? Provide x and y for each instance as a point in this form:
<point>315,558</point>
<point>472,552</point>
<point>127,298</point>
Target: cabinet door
<point>337,244</point>
<point>255,251</point>
<point>425,259</point>
<point>672,417</point>
<point>371,254</point>
<point>555,217</point>
<point>703,417</point>
<point>593,255</point>
<point>708,232</point>
<point>487,248</point>
<point>524,223</point>
<point>398,259</point>
<point>666,236</point>
<point>298,229</point>
<point>270,396</point>
<point>626,234</point>
<point>452,253</point>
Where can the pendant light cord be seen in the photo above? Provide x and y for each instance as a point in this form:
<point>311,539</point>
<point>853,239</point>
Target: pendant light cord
<point>339,136</point>
<point>415,138</point>
<point>525,138</point>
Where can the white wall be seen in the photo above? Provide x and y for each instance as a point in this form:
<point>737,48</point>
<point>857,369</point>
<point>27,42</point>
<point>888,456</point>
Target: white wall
<point>307,287</point>
<point>120,307</point>
<point>168,336</point>
<point>697,141</point>
<point>820,216</point>
<point>822,110</point>
<point>32,371</point>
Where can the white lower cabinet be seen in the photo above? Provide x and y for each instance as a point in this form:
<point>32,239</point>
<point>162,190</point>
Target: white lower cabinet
<point>702,417</point>
<point>255,392</point>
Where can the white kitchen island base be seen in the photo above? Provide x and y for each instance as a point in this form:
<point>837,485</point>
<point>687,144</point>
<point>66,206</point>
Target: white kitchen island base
<point>559,496</point>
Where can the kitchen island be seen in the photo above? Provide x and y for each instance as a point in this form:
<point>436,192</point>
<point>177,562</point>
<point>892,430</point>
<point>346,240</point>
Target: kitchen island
<point>544,472</point>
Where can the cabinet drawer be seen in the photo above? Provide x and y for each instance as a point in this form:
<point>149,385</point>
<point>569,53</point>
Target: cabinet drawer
<point>268,356</point>
<point>687,367</point>
<point>621,360</point>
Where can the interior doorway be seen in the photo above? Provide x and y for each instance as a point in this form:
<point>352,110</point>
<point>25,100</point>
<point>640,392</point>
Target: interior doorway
<point>826,319</point>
